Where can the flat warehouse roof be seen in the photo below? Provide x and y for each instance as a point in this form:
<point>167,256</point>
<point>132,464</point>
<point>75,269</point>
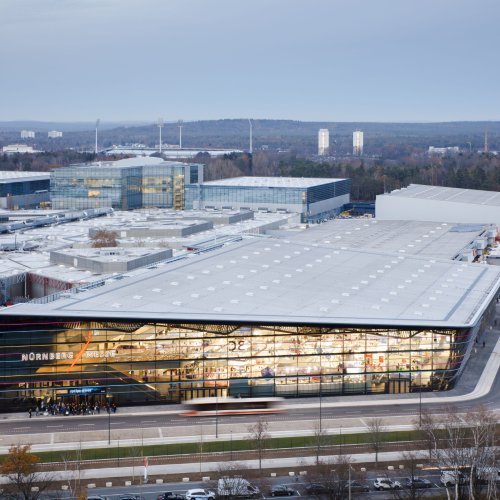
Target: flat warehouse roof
<point>272,281</point>
<point>275,182</point>
<point>436,240</point>
<point>456,195</point>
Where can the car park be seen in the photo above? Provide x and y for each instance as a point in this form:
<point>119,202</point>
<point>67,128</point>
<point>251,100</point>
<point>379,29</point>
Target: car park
<point>199,494</point>
<point>282,490</point>
<point>384,483</point>
<point>417,482</point>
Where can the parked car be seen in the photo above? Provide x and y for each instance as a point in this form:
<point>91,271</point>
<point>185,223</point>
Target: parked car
<point>198,494</point>
<point>96,497</point>
<point>282,490</point>
<point>356,487</point>
<point>170,495</point>
<point>130,497</point>
<point>316,489</point>
<point>417,482</point>
<point>384,483</point>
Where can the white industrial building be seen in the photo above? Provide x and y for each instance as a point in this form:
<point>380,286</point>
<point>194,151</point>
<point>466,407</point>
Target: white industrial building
<point>439,204</point>
<point>11,149</point>
<point>27,134</point>
<point>54,134</point>
<point>323,142</point>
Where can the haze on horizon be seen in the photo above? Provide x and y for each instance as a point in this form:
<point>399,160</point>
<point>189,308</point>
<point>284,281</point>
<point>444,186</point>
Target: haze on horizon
<point>313,60</point>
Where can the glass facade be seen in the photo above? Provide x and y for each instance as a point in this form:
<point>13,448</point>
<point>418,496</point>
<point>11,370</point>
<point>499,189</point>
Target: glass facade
<point>163,189</point>
<point>253,195</point>
<point>163,362</point>
<point>308,201</point>
<point>20,187</point>
<point>80,187</point>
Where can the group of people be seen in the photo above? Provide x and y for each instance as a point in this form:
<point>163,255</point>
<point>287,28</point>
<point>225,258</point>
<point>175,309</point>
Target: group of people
<point>60,408</point>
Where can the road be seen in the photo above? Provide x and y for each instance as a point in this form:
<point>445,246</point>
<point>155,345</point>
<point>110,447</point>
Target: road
<point>169,418</point>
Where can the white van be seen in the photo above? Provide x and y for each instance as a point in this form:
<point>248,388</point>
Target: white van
<point>236,487</point>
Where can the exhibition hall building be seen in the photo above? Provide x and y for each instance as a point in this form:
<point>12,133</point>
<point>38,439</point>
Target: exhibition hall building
<point>306,314</point>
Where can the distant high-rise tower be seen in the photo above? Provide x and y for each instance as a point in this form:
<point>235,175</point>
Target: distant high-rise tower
<point>357,143</point>
<point>323,142</point>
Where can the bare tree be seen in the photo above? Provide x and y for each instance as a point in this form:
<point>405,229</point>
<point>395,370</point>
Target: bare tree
<point>414,491</point>
<point>375,436</point>
<point>427,427</point>
<point>104,239</point>
<point>25,480</point>
<point>73,467</point>
<point>463,445</point>
<point>319,438</point>
<point>260,436</point>
<point>335,476</point>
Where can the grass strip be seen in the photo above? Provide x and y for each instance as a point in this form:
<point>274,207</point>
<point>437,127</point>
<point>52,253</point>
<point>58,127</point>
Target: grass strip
<point>220,446</point>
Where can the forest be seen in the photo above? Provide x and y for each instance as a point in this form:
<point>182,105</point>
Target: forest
<point>369,176</point>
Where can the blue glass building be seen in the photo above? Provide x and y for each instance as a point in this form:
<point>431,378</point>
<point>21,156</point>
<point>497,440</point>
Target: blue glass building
<point>124,184</point>
<point>312,198</point>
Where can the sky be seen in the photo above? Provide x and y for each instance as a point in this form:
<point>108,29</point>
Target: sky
<point>312,60</point>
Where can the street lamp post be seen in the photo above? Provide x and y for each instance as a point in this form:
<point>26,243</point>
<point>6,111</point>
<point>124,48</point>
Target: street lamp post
<point>349,483</point>
<point>420,402</point>
<point>109,396</point>
<point>216,412</point>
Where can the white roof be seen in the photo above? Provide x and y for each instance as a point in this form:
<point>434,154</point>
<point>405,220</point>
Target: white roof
<point>435,240</point>
<point>275,182</point>
<point>13,176</point>
<point>270,281</point>
<point>456,195</point>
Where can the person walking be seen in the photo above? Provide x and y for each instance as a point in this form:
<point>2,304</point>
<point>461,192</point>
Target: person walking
<point>29,412</point>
